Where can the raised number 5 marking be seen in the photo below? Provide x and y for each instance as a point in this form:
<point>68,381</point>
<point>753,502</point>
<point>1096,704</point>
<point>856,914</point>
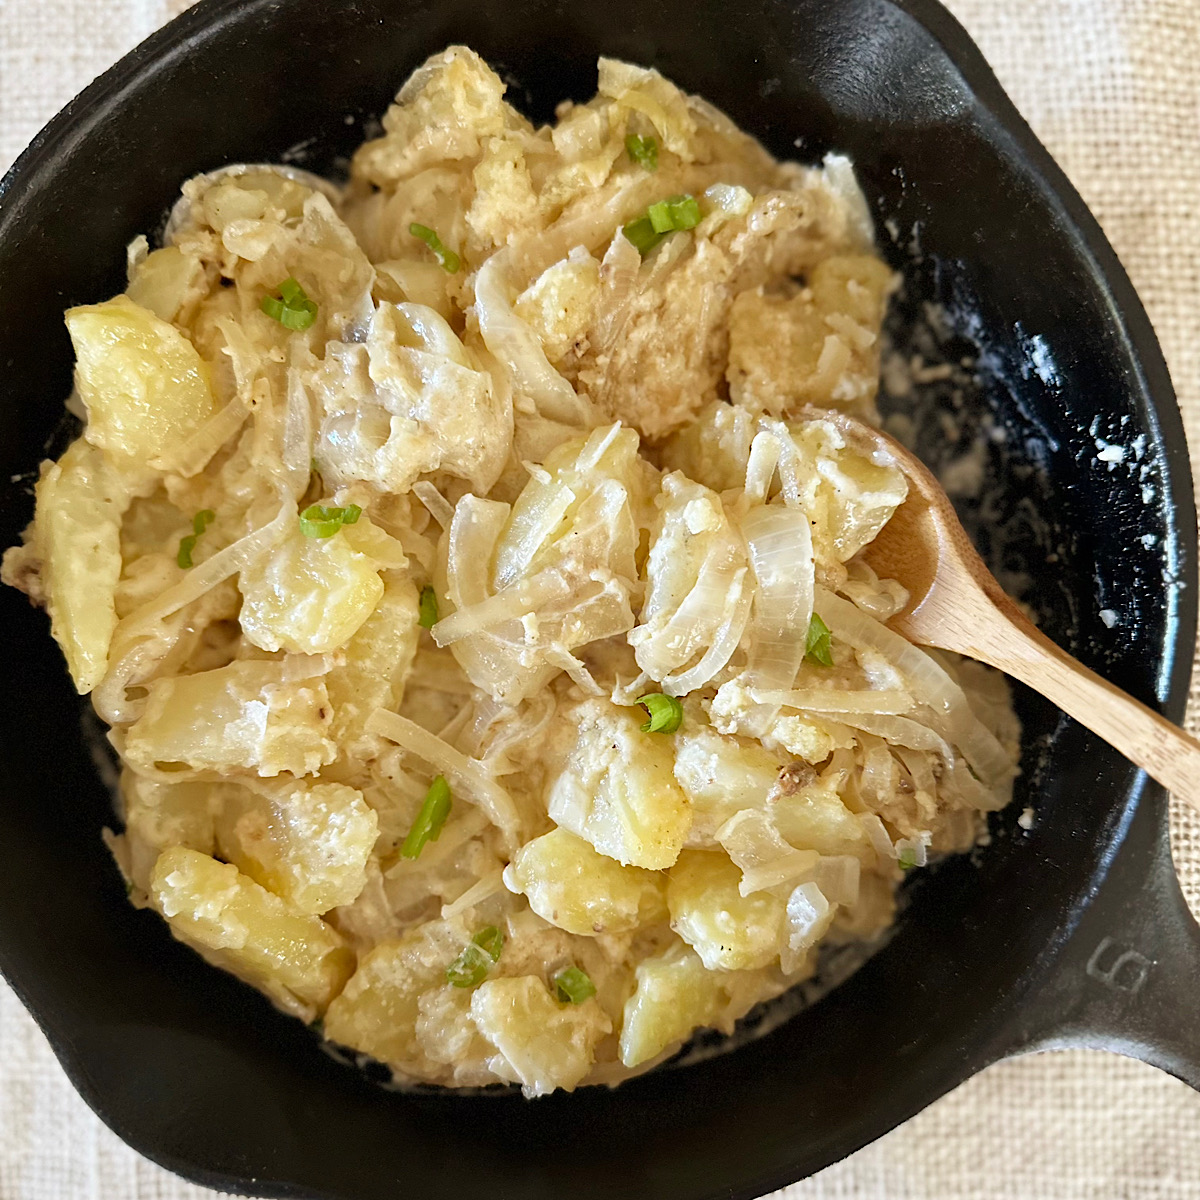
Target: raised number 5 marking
<point>1125,971</point>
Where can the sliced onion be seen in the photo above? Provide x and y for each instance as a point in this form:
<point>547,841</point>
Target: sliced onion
<point>756,847</point>
<point>809,916</point>
<point>838,876</point>
<point>930,684</point>
<point>524,596</point>
<point>464,774</point>
<point>519,350</point>
<point>477,893</point>
<point>877,834</point>
<point>832,700</point>
<point>440,509</point>
<point>736,613</point>
<point>779,540</point>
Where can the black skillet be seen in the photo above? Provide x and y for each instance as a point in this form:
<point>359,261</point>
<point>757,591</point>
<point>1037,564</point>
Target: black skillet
<point>1074,933</point>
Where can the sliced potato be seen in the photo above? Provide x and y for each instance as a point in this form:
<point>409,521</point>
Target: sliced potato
<point>548,1045</point>
<point>675,994</point>
<point>378,1010</point>
<point>572,886</point>
<point>310,595</point>
<point>729,931</point>
<point>77,537</point>
<point>298,960</point>
<point>721,776</point>
<point>617,790</point>
<point>145,386</point>
<point>159,816</point>
<point>307,842</point>
<point>247,716</point>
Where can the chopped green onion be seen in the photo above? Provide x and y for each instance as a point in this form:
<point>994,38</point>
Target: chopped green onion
<point>291,308</point>
<point>685,212</point>
<point>641,234</point>
<point>818,645</point>
<point>676,212</point>
<point>318,521</point>
<point>660,217</point>
<point>490,938</point>
<point>435,808</point>
<point>643,151</point>
<point>200,522</point>
<point>472,965</point>
<point>470,968</point>
<point>427,608</point>
<point>446,257</point>
<point>573,986</point>
<point>907,859</point>
<point>666,713</point>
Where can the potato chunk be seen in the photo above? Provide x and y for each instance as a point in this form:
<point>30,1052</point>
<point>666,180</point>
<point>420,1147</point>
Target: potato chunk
<point>819,347</point>
<point>729,931</point>
<point>308,843</point>
<point>159,816</point>
<point>378,1010</point>
<point>409,401</point>
<point>617,790</point>
<point>145,386</point>
<point>309,596</point>
<point>77,540</point>
<point>375,660</point>
<point>560,303</point>
<point>848,497</point>
<point>572,886</point>
<point>298,960</point>
<point>167,281</point>
<point>244,716</point>
<point>548,1045</point>
<point>676,994</point>
<point>720,776</point>
<point>814,818</point>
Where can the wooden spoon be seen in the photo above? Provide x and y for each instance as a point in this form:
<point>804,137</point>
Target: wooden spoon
<point>956,604</point>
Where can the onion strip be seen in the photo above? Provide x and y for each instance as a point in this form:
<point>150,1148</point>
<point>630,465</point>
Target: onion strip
<point>465,774</point>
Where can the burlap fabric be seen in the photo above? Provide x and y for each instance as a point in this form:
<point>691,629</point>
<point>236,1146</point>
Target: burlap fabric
<point>1113,89</point>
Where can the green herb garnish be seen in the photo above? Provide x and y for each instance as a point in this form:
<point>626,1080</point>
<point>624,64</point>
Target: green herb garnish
<point>470,968</point>
<point>641,234</point>
<point>200,522</point>
<point>446,257</point>
<point>427,608</point>
<point>291,307</point>
<point>643,151</point>
<point>573,986</point>
<point>667,216</point>
<point>435,808</point>
<point>907,858</point>
<point>665,712</point>
<point>472,965</point>
<point>319,521</point>
<point>818,645</point>
<point>490,939</point>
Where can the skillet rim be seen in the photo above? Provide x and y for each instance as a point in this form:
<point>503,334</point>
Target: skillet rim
<point>97,103</point>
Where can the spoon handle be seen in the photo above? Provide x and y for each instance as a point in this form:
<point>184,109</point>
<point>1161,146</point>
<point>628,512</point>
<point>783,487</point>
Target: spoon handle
<point>1162,750</point>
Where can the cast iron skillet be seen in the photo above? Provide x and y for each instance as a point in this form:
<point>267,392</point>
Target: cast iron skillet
<point>1075,934</point>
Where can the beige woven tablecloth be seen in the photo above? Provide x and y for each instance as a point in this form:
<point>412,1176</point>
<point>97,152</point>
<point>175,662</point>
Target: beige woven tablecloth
<point>1112,87</point>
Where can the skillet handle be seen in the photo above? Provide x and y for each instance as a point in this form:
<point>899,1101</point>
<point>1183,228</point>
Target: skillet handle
<point>1128,977</point>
